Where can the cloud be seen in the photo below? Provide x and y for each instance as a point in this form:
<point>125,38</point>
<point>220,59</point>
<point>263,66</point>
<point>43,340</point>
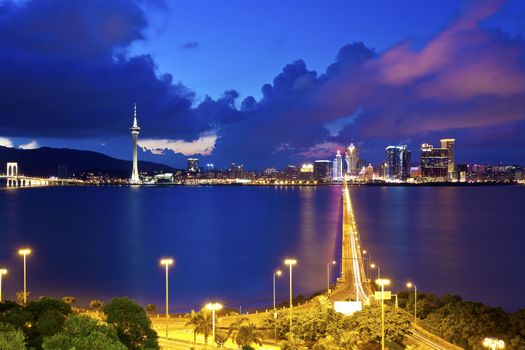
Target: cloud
<point>189,45</point>
<point>463,82</point>
<point>5,142</point>
<point>203,145</point>
<point>30,145</point>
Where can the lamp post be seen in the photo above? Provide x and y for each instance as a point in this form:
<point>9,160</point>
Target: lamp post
<point>276,273</point>
<point>375,266</point>
<point>493,343</point>
<point>2,272</point>
<point>328,275</point>
<point>166,262</point>
<point>365,252</point>
<point>290,262</point>
<point>410,285</point>
<point>213,307</point>
<point>25,252</point>
<point>382,283</point>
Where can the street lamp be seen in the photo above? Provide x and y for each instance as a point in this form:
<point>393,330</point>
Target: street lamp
<point>25,252</point>
<point>493,343</point>
<point>382,283</point>
<point>2,272</point>
<point>213,307</point>
<point>276,273</point>
<point>290,262</point>
<point>328,275</point>
<point>375,266</point>
<point>166,262</point>
<point>410,285</point>
<point>365,252</point>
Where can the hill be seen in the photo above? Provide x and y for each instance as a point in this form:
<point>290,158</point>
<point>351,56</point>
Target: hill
<point>46,161</point>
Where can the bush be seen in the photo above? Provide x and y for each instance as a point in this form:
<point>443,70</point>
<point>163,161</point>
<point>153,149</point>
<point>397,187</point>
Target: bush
<point>84,333</point>
<point>132,324</point>
<point>11,338</point>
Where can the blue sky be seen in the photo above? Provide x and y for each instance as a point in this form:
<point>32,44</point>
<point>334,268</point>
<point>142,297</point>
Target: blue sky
<point>265,83</point>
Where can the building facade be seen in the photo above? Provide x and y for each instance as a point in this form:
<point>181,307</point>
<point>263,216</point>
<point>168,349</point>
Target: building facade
<point>322,170</point>
<point>337,167</point>
<point>193,165</point>
<point>434,162</point>
<point>352,158</point>
<point>398,160</point>
<point>448,144</point>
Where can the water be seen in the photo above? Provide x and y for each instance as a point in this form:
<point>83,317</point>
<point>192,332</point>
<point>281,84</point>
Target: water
<point>101,242</point>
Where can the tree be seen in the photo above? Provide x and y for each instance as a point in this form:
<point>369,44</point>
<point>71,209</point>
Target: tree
<point>132,324</point>
<point>84,333</point>
<point>151,309</point>
<point>11,338</point>
<point>69,300</point>
<point>202,324</point>
<point>367,324</point>
<point>20,297</point>
<point>47,318</point>
<point>247,335</point>
<point>293,343</point>
<point>96,305</point>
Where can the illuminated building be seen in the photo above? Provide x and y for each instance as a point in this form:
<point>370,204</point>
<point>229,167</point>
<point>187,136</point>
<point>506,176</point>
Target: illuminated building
<point>306,172</point>
<point>448,144</point>
<point>352,158</point>
<point>322,170</point>
<point>337,167</point>
<point>135,129</point>
<point>434,162</point>
<point>193,165</point>
<point>398,162</point>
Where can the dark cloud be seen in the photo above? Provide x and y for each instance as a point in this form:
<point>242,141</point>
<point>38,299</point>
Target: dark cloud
<point>190,45</point>
<point>66,73</point>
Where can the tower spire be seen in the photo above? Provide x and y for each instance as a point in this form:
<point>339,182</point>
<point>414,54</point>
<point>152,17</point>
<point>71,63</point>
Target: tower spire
<point>135,115</point>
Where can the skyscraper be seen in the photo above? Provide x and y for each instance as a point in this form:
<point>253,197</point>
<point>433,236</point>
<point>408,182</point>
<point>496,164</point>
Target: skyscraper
<point>352,157</point>
<point>193,165</point>
<point>135,129</point>
<point>337,167</point>
<point>322,170</point>
<point>434,162</point>
<point>398,160</point>
<point>449,145</point>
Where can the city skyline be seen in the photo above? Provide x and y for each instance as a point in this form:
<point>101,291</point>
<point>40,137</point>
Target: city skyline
<point>415,91</point>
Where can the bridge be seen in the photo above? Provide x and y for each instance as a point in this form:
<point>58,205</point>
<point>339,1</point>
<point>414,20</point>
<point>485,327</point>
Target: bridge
<point>15,179</point>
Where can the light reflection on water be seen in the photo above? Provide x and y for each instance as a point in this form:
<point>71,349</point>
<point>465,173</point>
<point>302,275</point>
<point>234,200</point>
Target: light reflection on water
<point>99,242</point>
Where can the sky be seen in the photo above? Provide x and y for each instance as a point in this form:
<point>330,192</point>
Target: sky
<point>264,83</point>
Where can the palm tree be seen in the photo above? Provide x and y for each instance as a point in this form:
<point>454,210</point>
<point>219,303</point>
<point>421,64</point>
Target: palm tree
<point>248,334</point>
<point>202,323</point>
<point>235,326</point>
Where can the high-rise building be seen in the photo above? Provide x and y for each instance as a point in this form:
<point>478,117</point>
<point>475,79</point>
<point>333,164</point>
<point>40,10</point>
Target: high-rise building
<point>449,145</point>
<point>352,158</point>
<point>434,162</point>
<point>135,129</point>
<point>322,170</point>
<point>398,160</point>
<point>337,167</point>
<point>193,165</point>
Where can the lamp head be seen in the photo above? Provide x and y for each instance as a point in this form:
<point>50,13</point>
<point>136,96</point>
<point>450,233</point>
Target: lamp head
<point>278,272</point>
<point>3,272</point>
<point>334,262</point>
<point>382,282</point>
<point>373,266</point>
<point>24,251</point>
<point>290,262</point>
<point>166,261</point>
<point>213,306</point>
<point>410,284</point>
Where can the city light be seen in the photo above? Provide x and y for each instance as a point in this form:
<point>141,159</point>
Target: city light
<point>382,283</point>
<point>213,307</point>
<point>410,285</point>
<point>290,263</point>
<point>25,252</point>
<point>167,262</point>
<point>493,343</point>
